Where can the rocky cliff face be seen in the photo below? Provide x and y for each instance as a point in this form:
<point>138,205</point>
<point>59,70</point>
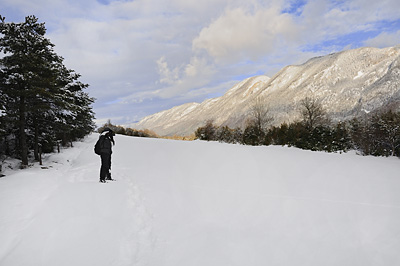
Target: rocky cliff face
<point>348,84</point>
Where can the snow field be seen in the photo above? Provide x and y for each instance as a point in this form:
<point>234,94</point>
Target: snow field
<point>198,203</point>
<point>64,216</point>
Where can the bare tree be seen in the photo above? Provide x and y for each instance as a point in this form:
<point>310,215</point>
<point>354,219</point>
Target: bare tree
<point>312,112</point>
<point>258,122</point>
<point>260,116</point>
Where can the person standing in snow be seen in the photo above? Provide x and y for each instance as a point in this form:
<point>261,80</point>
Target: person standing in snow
<point>106,138</point>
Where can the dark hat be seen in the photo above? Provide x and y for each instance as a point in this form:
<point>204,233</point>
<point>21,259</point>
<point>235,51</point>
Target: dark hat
<point>108,130</point>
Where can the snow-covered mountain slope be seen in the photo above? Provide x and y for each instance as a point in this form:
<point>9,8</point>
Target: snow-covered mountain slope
<point>186,118</point>
<point>199,203</point>
<point>348,83</point>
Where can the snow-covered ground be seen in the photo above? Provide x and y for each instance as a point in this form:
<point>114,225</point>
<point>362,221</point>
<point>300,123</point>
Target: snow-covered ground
<point>197,203</point>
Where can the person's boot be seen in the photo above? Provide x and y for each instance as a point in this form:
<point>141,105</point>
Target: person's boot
<point>109,177</point>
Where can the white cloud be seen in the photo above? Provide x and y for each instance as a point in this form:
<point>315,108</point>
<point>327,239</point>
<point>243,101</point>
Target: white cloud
<point>167,76</point>
<point>384,39</point>
<point>184,78</point>
<point>372,10</point>
<point>137,54</point>
<point>324,20</point>
<point>241,34</point>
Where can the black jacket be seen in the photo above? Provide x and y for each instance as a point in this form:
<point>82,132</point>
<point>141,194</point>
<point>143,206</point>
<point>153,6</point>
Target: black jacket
<point>106,147</point>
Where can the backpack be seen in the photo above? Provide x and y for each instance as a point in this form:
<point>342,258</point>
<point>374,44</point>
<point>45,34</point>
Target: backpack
<point>99,145</point>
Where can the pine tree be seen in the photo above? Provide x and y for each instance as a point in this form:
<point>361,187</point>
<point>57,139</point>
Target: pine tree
<point>42,98</point>
<point>252,135</point>
<point>208,132</point>
<point>387,132</point>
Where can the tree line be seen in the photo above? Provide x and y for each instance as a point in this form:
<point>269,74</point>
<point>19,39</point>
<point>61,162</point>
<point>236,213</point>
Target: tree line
<point>42,102</point>
<point>375,134</point>
<point>145,133</point>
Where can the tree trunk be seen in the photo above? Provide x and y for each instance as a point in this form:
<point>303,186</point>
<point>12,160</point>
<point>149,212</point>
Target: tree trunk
<point>36,142</point>
<point>22,134</point>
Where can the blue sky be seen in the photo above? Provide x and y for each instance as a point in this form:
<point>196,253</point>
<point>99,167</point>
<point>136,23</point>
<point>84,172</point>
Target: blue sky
<point>144,56</point>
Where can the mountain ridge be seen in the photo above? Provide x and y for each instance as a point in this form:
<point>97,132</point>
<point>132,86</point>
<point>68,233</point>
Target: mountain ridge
<point>348,84</point>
